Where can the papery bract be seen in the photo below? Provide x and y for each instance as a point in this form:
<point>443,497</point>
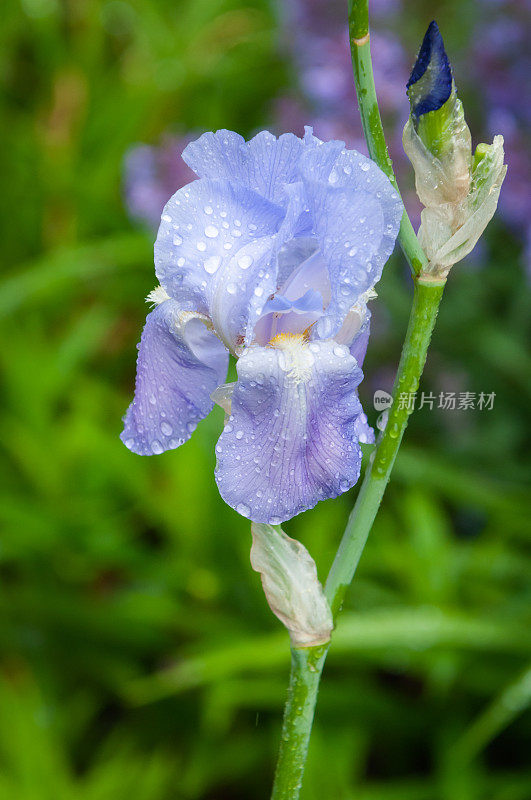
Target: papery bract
<point>291,586</point>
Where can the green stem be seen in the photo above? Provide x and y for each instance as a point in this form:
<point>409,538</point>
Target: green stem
<point>360,48</point>
<point>426,300</point>
<point>306,667</point>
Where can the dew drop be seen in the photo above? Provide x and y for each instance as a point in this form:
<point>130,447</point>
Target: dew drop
<point>211,231</point>
<point>245,262</point>
<point>212,264</point>
<point>166,428</point>
<point>232,288</point>
<point>156,447</point>
<point>201,246</point>
<point>242,509</point>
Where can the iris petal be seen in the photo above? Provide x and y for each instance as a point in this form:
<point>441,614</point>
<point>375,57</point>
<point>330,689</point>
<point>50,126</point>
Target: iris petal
<point>264,164</point>
<point>430,82</point>
<point>180,362</point>
<point>356,214</point>
<point>203,227</point>
<point>355,331</point>
<point>292,437</point>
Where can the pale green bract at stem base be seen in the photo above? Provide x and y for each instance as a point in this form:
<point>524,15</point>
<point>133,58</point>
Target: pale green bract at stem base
<point>459,191</point>
<point>291,585</point>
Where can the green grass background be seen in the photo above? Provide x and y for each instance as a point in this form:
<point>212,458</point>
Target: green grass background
<point>138,659</point>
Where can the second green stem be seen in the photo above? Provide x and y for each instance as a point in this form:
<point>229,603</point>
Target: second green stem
<point>360,48</point>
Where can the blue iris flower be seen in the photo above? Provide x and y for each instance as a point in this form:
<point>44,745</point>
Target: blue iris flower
<point>270,256</point>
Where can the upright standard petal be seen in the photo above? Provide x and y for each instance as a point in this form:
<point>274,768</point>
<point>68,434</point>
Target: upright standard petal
<point>203,227</point>
<point>264,164</point>
<point>180,362</point>
<point>356,215</point>
<point>292,436</point>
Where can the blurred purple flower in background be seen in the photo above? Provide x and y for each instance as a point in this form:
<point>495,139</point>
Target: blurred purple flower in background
<point>152,174</point>
<point>317,37</point>
<point>502,67</point>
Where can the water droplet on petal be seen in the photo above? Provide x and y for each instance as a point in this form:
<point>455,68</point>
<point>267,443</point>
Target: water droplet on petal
<point>340,351</point>
<point>212,264</point>
<point>211,231</point>
<point>242,509</point>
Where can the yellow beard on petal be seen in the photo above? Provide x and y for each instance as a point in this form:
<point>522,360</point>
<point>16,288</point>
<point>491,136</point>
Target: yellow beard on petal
<point>296,358</point>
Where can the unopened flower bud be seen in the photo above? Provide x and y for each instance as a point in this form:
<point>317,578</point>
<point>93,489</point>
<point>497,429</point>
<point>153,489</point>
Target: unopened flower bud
<point>458,190</point>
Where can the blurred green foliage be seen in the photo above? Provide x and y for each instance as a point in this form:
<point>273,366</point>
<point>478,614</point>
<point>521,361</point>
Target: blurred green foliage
<point>138,658</point>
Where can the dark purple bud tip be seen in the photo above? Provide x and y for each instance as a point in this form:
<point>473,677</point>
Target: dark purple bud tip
<point>430,82</point>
